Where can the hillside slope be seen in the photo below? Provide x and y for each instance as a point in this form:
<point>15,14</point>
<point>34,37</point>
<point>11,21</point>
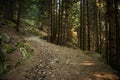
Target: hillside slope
<point>52,62</point>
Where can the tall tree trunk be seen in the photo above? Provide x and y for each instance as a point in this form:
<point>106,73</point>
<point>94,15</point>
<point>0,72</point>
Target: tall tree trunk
<point>9,9</point>
<point>88,25</point>
<point>112,33</point>
<point>117,34</point>
<point>18,15</point>
<point>81,24</point>
<point>99,27</point>
<point>84,25</point>
<point>66,21</point>
<point>50,20</point>
<point>59,21</point>
<point>12,9</point>
<point>53,27</point>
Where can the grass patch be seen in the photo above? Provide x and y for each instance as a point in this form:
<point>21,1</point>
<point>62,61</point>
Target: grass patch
<point>8,48</point>
<point>25,49</point>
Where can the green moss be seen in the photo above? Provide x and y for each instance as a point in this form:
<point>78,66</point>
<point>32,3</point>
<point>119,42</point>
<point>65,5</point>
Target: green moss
<point>19,43</point>
<point>25,49</point>
<point>8,48</point>
<point>26,54</point>
<point>10,23</point>
<point>5,38</point>
<point>33,30</point>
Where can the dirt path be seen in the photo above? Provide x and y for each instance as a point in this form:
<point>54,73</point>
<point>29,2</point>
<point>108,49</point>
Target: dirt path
<point>51,62</point>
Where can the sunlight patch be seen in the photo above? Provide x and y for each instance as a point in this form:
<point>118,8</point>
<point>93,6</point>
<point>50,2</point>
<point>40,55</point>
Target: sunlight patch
<point>84,63</point>
<point>105,76</point>
<point>87,63</point>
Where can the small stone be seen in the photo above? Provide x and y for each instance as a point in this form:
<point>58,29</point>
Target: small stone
<point>53,76</point>
<point>44,72</point>
<point>41,65</point>
<point>50,72</point>
<point>68,73</point>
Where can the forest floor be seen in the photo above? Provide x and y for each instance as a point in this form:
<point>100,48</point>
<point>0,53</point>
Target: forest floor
<point>53,62</point>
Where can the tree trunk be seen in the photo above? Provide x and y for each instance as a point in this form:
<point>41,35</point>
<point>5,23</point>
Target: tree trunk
<point>81,24</point>
<point>112,33</point>
<point>88,25</point>
<point>18,15</point>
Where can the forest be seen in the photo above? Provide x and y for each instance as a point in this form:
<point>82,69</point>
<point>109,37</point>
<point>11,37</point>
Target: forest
<point>59,39</point>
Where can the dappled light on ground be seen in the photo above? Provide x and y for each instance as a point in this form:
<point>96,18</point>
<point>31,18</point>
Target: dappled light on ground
<point>87,63</point>
<point>84,63</point>
<point>105,76</point>
<point>51,62</point>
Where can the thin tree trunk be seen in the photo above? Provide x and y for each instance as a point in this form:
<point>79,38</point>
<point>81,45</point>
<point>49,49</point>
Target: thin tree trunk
<point>50,15</point>
<point>84,26</point>
<point>59,21</point>
<point>18,15</point>
<point>88,25</point>
<point>81,24</point>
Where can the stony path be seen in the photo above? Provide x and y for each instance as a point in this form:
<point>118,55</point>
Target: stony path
<point>51,62</point>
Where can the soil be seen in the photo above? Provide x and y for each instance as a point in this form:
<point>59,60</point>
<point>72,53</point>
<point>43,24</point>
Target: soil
<point>53,62</point>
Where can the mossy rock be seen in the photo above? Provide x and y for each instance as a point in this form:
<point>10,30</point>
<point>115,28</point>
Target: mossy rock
<point>5,38</point>
<point>25,49</point>
<point>9,49</point>
<point>33,30</point>
<point>26,54</point>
